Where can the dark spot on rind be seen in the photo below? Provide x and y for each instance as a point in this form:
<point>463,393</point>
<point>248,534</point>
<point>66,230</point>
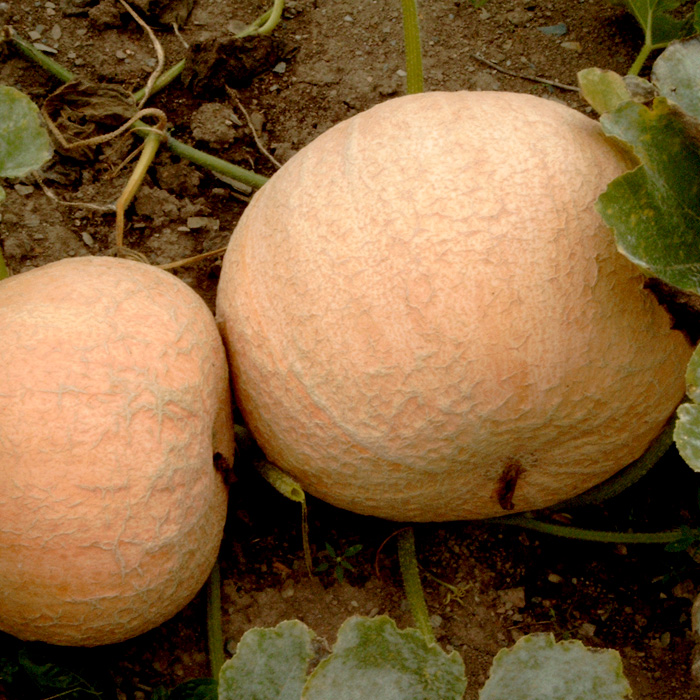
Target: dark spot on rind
<point>507,481</point>
<point>224,467</point>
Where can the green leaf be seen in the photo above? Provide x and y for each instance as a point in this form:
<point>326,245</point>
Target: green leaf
<point>687,430</point>
<point>197,689</point>
<point>658,26</point>
<point>269,664</point>
<point>676,74</point>
<point>374,659</point>
<point>330,551</point>
<point>538,668</point>
<point>604,90</point>
<point>24,143</point>
<point>653,209</point>
<point>352,551</point>
<point>54,679</point>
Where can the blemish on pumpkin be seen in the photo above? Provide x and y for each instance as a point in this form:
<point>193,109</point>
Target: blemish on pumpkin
<point>223,466</point>
<point>507,482</point>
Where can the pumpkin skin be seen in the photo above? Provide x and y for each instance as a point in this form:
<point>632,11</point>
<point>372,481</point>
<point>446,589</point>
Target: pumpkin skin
<point>114,400</point>
<point>427,320</point>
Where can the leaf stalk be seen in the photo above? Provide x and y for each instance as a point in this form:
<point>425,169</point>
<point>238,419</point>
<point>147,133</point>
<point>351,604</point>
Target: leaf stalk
<point>412,584</point>
<point>414,61</point>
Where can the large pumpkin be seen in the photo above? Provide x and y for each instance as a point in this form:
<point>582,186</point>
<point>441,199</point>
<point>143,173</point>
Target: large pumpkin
<point>427,319</point>
<point>113,402</point>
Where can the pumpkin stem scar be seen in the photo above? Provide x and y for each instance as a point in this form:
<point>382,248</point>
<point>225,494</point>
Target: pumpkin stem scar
<point>507,481</point>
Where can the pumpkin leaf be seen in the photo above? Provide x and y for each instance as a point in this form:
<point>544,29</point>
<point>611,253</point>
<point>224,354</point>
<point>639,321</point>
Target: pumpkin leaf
<point>372,658</point>
<point>196,689</point>
<point>604,90</point>
<point>687,430</point>
<point>269,664</point>
<point>653,209</point>
<point>658,25</point>
<point>539,668</point>
<point>51,679</point>
<point>676,74</point>
<point>24,142</point>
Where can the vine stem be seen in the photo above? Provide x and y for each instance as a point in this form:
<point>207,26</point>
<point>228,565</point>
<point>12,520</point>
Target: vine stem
<point>579,533</point>
<point>412,585</point>
<point>189,153</point>
<point>148,154</point>
<point>215,635</point>
<point>414,61</point>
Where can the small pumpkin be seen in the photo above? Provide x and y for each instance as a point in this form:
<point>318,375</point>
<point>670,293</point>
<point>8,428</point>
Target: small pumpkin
<point>114,401</point>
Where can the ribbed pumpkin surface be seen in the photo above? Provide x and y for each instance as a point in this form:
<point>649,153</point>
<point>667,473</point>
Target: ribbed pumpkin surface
<point>426,318</point>
<point>113,400</point>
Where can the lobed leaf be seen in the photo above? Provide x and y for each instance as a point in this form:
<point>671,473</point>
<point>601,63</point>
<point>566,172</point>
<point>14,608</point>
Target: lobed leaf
<point>676,74</point>
<point>653,209</point>
<point>539,668</point>
<point>659,27</point>
<point>604,90</point>
<point>687,430</point>
<point>269,664</point>
<point>24,142</point>
<point>374,659</point>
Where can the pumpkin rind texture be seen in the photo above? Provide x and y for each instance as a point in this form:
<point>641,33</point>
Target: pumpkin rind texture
<point>427,319</point>
<point>114,401</point>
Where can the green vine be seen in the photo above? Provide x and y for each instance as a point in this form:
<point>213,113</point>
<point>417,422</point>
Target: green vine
<point>217,165</point>
<point>215,635</point>
<point>414,61</point>
<point>579,533</point>
<point>412,585</point>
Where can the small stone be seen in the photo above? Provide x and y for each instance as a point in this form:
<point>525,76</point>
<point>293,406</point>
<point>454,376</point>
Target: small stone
<point>120,54</point>
<point>50,12</point>
<point>348,18</point>
<point>572,46</point>
<point>23,190</point>
<point>34,35</point>
<point>257,120</point>
<point>684,589</point>
<point>587,629</point>
<point>554,29</point>
<point>56,32</point>
<point>519,17</point>
<point>512,597</point>
<point>555,578</point>
<point>197,222</point>
<point>87,238</point>
<point>436,621</point>
<point>485,80</point>
<point>44,47</point>
<point>280,67</point>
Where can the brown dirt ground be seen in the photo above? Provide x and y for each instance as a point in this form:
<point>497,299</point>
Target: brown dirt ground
<point>329,60</point>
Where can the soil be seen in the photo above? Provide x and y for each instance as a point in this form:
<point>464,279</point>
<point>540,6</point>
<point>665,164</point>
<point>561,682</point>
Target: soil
<point>326,61</point>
